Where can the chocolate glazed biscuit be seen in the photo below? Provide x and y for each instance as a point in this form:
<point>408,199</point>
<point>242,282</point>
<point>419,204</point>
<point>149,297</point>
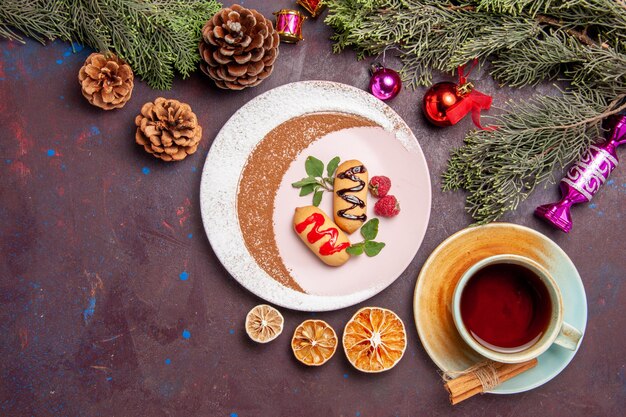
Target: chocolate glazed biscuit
<point>350,195</point>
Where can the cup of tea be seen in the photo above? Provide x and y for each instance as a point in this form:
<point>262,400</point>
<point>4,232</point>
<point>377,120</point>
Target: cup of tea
<point>509,309</point>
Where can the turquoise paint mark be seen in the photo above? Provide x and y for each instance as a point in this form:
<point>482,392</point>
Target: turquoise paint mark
<point>62,97</point>
<point>358,414</point>
<point>8,161</point>
<point>593,205</point>
<point>610,182</point>
<point>345,376</point>
<point>50,152</point>
<point>190,235</point>
<point>184,276</point>
<point>59,61</point>
<point>90,310</point>
<point>168,361</point>
<point>193,169</point>
<point>145,170</point>
<point>94,130</point>
<point>231,331</point>
<point>67,53</point>
<point>186,334</point>
<point>233,415</point>
<point>109,378</point>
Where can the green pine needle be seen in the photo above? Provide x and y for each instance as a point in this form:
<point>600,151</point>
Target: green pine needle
<point>581,43</point>
<point>156,37</point>
<point>500,169</point>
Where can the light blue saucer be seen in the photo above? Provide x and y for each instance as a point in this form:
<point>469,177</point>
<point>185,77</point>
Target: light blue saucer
<point>441,271</point>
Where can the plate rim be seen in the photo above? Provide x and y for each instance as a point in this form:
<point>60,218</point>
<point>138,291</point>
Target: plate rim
<point>459,234</point>
<point>385,117</point>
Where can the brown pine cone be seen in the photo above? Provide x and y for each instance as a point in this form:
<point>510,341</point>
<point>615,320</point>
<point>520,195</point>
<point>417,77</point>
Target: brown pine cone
<point>238,48</point>
<point>168,129</point>
<point>107,81</point>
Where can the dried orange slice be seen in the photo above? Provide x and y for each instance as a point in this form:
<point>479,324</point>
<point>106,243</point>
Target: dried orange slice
<point>314,342</point>
<point>264,323</point>
<point>374,339</point>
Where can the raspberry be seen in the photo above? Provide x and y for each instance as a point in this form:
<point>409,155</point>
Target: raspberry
<point>387,206</point>
<point>379,186</point>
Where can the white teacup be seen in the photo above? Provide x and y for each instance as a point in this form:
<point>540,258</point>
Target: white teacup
<point>557,331</point>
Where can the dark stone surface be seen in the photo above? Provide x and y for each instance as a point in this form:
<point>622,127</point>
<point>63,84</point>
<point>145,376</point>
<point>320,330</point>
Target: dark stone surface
<point>95,233</point>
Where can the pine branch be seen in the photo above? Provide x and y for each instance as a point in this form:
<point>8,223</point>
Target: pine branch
<point>536,60</point>
<point>500,169</point>
<point>39,19</point>
<point>436,36</point>
<point>156,37</point>
<point>582,36</point>
<point>577,17</point>
<point>579,42</point>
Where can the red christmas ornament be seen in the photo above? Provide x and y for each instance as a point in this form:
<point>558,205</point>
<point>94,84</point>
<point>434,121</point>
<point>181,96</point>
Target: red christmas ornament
<point>437,100</point>
<point>446,103</point>
<point>314,7</point>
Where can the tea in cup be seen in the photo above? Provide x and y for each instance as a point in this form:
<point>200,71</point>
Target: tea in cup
<point>508,308</point>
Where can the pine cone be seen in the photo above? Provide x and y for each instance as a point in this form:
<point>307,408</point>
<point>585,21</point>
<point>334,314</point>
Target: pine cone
<point>239,47</point>
<point>168,129</point>
<point>107,81</point>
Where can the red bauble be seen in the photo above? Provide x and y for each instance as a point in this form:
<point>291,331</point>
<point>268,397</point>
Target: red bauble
<point>437,100</point>
<point>445,104</point>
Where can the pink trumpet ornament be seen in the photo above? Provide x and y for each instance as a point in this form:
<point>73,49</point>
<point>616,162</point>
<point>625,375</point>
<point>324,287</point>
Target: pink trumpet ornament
<point>585,178</point>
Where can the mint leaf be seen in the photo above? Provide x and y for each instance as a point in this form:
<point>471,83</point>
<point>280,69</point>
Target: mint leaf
<point>355,250</point>
<point>307,189</point>
<point>303,182</point>
<point>314,167</point>
<point>332,166</point>
<point>373,248</point>
<point>369,232</point>
<point>317,197</point>
<point>370,229</point>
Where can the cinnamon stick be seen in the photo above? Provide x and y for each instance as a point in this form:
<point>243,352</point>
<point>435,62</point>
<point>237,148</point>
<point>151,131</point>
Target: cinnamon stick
<point>482,377</point>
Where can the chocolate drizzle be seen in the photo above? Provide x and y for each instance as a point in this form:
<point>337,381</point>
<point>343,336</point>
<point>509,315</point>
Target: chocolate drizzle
<point>351,174</point>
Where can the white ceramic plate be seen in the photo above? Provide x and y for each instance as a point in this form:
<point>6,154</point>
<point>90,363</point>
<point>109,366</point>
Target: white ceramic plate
<point>443,269</point>
<point>390,149</point>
